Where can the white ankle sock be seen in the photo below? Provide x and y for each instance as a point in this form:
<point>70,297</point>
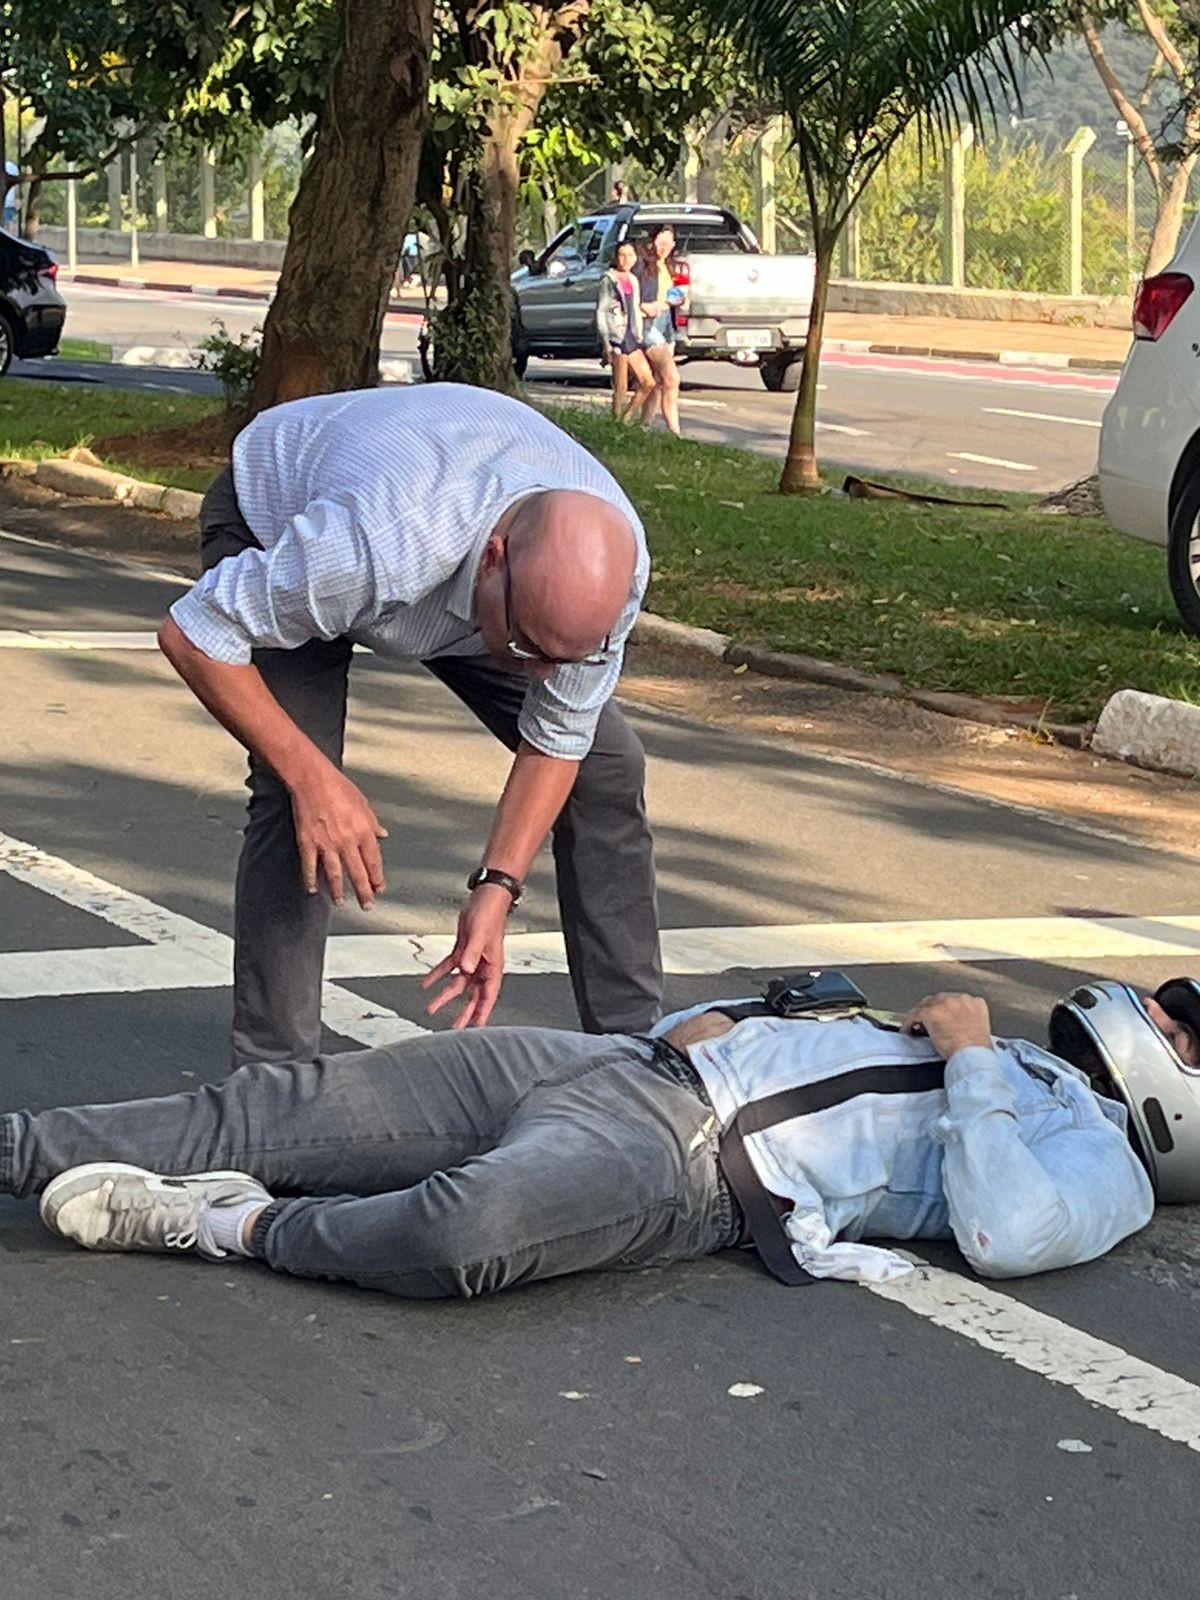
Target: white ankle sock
<point>226,1223</point>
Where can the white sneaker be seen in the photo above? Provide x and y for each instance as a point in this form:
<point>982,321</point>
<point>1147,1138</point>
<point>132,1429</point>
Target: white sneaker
<point>109,1206</point>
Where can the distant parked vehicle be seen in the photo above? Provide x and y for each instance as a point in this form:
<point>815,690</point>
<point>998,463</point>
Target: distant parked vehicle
<point>1150,437</point>
<point>743,306</point>
<point>32,311</point>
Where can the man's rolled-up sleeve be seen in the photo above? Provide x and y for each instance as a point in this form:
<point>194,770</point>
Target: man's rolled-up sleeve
<point>1019,1208</point>
<point>560,714</point>
<point>316,582</point>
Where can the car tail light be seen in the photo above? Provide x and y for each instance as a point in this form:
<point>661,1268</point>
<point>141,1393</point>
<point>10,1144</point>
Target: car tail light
<point>49,270</point>
<point>683,279</point>
<point>1158,301</point>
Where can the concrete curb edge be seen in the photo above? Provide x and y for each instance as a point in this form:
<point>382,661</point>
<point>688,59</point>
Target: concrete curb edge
<point>812,669</point>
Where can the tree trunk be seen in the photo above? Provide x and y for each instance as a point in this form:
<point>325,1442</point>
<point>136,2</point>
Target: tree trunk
<point>1169,221</point>
<point>473,336</point>
<point>31,216</point>
<point>801,473</point>
<point>347,223</point>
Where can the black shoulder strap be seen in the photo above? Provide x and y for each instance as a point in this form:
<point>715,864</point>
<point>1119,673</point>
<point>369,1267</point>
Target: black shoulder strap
<point>742,1013</point>
<point>766,1226</point>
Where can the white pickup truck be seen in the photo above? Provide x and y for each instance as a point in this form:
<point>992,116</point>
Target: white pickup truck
<point>743,306</point>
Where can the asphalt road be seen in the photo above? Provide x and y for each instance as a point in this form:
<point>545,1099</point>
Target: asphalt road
<point>967,423</point>
<point>186,1429</point>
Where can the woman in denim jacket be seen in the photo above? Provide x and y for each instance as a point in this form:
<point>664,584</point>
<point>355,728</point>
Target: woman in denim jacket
<point>619,320</point>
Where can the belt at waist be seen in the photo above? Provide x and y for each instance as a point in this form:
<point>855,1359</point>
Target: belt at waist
<point>674,1064</point>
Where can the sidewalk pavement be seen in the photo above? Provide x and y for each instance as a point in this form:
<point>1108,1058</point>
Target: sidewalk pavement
<point>1037,344</point>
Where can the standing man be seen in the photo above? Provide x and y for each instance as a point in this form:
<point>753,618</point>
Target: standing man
<point>459,528</point>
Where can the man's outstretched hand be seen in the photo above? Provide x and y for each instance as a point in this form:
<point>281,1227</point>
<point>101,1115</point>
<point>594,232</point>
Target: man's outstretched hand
<point>475,967</point>
<point>951,1022</point>
<point>337,834</point>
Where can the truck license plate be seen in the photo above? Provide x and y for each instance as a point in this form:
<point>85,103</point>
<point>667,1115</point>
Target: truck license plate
<point>748,338</point>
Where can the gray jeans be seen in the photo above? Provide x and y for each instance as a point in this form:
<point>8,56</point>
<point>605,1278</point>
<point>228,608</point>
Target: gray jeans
<point>454,1165</point>
<point>603,851</point>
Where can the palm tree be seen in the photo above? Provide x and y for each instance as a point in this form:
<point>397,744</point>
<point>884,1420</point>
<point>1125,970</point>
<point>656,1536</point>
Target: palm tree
<point>851,77</point>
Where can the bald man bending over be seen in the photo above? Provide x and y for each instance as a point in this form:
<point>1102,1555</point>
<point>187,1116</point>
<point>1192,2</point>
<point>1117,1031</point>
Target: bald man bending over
<point>459,528</point>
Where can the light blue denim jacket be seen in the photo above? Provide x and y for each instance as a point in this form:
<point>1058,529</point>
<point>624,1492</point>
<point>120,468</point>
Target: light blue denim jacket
<point>1017,1159</point>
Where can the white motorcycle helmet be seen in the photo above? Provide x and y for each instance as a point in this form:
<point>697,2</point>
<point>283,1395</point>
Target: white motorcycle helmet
<point>1106,1031</point>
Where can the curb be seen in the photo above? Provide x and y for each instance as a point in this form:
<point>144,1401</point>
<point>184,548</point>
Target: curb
<point>182,358</point>
<point>1150,730</point>
<point>85,481</point>
<point>811,669</point>
<point>224,291</point>
<point>1050,360</point>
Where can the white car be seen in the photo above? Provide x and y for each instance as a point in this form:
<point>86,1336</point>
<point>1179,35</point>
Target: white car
<point>1150,438</point>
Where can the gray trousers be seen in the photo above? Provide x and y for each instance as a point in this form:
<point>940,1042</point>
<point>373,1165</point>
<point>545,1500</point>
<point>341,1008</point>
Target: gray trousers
<point>603,851</point>
<point>458,1164</point>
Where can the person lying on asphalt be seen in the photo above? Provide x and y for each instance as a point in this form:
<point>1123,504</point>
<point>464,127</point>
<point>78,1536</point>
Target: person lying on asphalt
<point>463,1163</point>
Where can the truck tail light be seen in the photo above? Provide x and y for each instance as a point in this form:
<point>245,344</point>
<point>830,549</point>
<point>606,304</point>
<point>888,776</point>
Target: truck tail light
<point>683,279</point>
<point>1157,303</point>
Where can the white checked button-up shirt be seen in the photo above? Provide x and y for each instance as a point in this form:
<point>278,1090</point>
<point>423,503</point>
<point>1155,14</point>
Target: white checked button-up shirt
<point>373,509</point>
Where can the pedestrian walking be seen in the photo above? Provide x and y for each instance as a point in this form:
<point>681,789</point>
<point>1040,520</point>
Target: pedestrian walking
<point>459,528</point>
<point>662,301</point>
<point>619,320</point>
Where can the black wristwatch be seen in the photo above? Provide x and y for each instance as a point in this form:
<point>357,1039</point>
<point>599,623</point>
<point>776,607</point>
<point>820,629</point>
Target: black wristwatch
<point>483,875</point>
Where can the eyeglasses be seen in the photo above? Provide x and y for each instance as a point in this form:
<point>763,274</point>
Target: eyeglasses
<point>519,652</point>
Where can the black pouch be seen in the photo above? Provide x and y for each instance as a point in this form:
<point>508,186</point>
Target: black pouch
<point>801,994</point>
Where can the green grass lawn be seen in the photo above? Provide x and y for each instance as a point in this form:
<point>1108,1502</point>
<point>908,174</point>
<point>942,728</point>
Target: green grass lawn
<point>45,419</point>
<point>1014,603</point>
<point>84,350</point>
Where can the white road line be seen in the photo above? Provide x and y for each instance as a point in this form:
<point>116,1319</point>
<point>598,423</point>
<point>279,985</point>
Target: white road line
<point>191,955</point>
<point>697,951</point>
<point>990,461</point>
<point>1103,1374</point>
<point>76,639</point>
<point>1040,416</point>
<point>184,955</point>
<point>837,427</point>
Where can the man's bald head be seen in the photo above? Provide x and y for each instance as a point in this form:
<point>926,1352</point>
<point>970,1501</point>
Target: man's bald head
<point>572,558</point>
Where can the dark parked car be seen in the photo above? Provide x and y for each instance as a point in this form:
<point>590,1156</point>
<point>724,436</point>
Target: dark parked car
<point>32,311</point>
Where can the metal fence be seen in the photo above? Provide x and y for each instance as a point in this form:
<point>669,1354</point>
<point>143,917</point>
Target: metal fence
<point>1019,212</point>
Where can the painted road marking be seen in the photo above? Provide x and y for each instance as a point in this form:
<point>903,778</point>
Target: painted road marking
<point>973,372</point>
<point>181,954</point>
<point>990,461</point>
<point>1100,1373</point>
<point>178,946</point>
<point>838,427</point>
<point>1040,416</point>
<point>76,639</point>
<point>1103,1374</point>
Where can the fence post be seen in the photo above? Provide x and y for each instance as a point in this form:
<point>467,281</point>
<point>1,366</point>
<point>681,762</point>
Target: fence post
<point>765,170</point>
<point>1131,211</point>
<point>691,171</point>
<point>208,195</point>
<point>159,175</point>
<point>114,194</point>
<point>133,207</point>
<point>72,225</point>
<point>954,229</point>
<point>1078,145</point>
<point>850,247</point>
<point>258,222</point>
